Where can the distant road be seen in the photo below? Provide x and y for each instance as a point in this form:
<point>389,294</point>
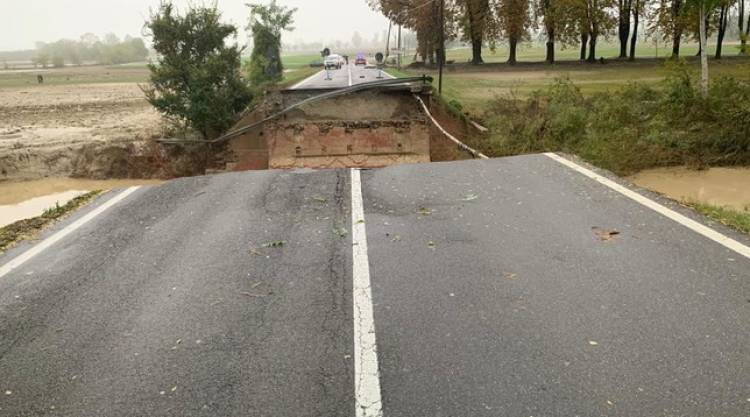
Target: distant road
<point>348,75</point>
<point>477,288</point>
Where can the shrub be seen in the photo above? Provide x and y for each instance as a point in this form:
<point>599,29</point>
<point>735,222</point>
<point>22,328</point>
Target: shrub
<point>632,128</point>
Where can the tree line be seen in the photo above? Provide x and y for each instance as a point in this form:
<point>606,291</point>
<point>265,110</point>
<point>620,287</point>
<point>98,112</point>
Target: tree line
<point>90,49</point>
<point>570,23</point>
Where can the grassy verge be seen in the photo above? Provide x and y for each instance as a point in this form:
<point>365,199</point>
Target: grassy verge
<point>476,88</point>
<point>22,229</point>
<point>734,219</point>
<point>297,75</point>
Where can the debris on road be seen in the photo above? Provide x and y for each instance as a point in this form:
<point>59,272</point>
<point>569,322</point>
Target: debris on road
<point>605,235</point>
<point>470,197</point>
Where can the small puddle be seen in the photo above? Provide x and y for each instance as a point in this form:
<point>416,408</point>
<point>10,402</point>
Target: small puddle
<point>724,187</point>
<point>24,200</point>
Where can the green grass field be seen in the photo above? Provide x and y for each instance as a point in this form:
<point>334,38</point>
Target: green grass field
<point>131,73</point>
<point>529,52</point>
<point>474,88</point>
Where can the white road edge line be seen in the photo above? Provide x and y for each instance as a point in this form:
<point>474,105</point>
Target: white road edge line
<point>46,243</point>
<point>366,373</point>
<point>349,67</point>
<point>679,218</point>
<point>305,81</point>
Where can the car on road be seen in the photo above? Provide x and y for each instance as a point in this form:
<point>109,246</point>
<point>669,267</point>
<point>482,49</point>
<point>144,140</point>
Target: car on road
<point>361,60</point>
<point>334,61</point>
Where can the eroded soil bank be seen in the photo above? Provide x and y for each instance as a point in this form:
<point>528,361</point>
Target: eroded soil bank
<point>723,187</point>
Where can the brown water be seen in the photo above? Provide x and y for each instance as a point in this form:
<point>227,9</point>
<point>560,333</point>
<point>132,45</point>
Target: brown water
<point>725,187</point>
<point>23,200</point>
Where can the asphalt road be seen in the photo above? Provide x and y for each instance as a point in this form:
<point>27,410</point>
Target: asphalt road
<point>492,294</point>
<point>347,76</point>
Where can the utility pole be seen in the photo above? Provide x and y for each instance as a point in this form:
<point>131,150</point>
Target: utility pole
<point>441,57</point>
<point>400,51</point>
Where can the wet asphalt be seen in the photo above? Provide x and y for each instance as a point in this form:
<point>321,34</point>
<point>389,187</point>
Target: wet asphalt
<point>494,295</point>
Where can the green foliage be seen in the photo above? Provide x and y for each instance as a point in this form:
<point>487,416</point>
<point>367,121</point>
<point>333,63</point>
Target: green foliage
<point>633,128</point>
<point>266,24</point>
<point>196,80</point>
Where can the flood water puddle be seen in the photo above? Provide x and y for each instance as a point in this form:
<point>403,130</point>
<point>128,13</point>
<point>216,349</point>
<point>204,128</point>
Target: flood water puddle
<point>724,187</point>
<point>27,199</point>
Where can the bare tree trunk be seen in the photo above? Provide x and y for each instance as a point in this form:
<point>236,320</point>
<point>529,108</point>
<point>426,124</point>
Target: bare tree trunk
<point>513,46</point>
<point>592,47</point>
<point>584,43</point>
<point>549,25</point>
<point>741,26</point>
<point>677,35</point>
<point>723,21</point>
<point>623,30</point>
<point>388,42</point>
<point>476,48</point>
<point>634,39</point>
<point>550,58</point>
<point>704,53</point>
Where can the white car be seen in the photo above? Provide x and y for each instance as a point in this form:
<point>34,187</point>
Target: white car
<point>334,61</point>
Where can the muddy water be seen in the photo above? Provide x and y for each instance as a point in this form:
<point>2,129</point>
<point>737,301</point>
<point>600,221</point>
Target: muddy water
<point>23,200</point>
<point>726,187</point>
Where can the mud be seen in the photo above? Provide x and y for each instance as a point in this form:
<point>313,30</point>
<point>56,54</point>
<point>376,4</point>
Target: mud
<point>28,199</point>
<point>724,187</point>
<point>44,128</point>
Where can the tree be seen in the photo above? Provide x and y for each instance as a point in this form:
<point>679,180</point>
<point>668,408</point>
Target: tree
<point>588,20</point>
<point>670,18</point>
<point>702,7</point>
<point>744,30</point>
<point>514,21</point>
<point>478,25</point>
<point>551,17</point>
<point>624,8</point>
<point>266,24</point>
<point>721,24</point>
<point>196,79</point>
<point>638,7</point>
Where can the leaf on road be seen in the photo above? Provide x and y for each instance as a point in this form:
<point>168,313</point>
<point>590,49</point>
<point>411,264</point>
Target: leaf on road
<point>320,199</point>
<point>605,235</point>
<point>276,244</point>
<point>249,294</point>
<point>340,231</point>
<point>424,211</point>
<point>509,275</point>
<point>470,197</point>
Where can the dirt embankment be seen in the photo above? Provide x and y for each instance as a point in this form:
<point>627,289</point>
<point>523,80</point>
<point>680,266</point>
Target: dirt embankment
<point>89,122</point>
<point>54,130</point>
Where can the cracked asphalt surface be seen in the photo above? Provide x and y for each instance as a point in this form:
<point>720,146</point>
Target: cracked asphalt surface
<point>231,295</point>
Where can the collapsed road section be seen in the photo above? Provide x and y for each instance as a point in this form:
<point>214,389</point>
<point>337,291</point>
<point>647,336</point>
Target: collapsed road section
<point>368,125</point>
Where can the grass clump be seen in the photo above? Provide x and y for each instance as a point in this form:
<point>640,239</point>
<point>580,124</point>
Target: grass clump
<point>632,128</point>
<point>13,233</point>
<point>735,219</point>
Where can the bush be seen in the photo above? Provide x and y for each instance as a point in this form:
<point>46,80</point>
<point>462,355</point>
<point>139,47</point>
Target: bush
<point>633,128</point>
<point>197,80</point>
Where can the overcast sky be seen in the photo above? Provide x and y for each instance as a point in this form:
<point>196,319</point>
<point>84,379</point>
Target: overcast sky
<point>24,22</point>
